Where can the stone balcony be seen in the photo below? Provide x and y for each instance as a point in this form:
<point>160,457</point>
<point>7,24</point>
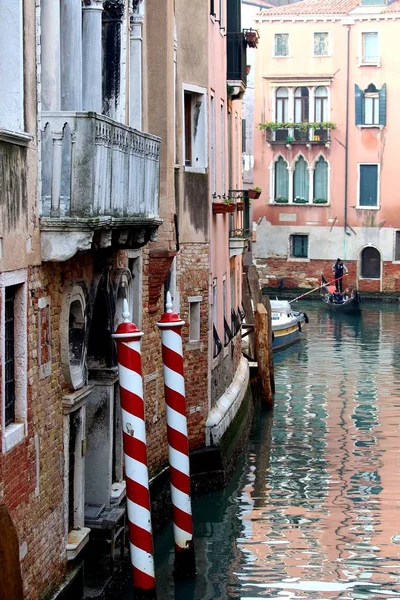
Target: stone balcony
<point>100,185</point>
<point>238,241</point>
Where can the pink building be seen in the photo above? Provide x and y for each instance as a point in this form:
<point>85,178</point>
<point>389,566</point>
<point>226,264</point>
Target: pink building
<point>325,156</point>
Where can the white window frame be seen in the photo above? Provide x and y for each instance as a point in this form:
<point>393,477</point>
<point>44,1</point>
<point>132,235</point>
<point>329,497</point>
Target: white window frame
<point>378,195</point>
<point>313,165</point>
<point>194,343</point>
<point>12,86</point>
<point>371,96</point>
<point>200,145</point>
<point>361,61</point>
<point>293,258</point>
<point>395,231</point>
<point>14,433</point>
<point>274,45</point>
<point>329,53</point>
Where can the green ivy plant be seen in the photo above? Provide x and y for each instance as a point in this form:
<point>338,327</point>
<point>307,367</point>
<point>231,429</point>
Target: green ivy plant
<point>272,126</point>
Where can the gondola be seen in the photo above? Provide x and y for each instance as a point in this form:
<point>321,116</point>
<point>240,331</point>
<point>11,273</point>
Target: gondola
<point>340,303</point>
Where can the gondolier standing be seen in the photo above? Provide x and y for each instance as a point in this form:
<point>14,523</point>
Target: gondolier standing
<point>339,269</point>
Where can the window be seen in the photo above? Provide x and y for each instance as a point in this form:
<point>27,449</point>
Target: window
<point>321,43</point>
<point>281,179</point>
<point>281,44</point>
<point>301,181</point>
<point>12,66</point>
<point>370,47</point>
<point>371,105</point>
<point>370,263</point>
<point>321,104</point>
<point>212,8</point>
<point>301,105</point>
<point>13,375</point>
<point>397,246</point>
<point>194,318</point>
<point>9,355</point>
<point>321,180</point>
<point>299,246</point>
<point>195,127</point>
<point>212,158</point>
<point>282,105</point>
<point>368,185</point>
<point>223,148</point>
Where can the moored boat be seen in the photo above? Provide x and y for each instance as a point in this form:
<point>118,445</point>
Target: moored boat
<point>286,324</point>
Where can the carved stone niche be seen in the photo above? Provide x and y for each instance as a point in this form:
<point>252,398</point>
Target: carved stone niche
<point>73,332</point>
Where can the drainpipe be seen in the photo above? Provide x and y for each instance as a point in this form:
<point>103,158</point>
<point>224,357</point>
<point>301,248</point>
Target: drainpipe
<point>348,23</point>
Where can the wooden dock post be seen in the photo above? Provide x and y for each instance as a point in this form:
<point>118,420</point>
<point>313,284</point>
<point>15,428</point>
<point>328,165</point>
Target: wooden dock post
<point>263,343</point>
<point>267,303</point>
<point>10,570</point>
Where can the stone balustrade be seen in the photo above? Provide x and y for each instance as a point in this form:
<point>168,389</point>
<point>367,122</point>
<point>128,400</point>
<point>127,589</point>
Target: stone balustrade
<point>93,166</point>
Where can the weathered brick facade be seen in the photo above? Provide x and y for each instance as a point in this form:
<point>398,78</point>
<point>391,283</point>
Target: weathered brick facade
<point>281,273</point>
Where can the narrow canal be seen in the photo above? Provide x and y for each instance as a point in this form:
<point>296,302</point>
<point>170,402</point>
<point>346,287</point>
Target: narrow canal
<point>313,509</point>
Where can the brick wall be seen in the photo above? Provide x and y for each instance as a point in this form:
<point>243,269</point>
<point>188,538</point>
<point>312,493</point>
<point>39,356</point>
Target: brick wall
<point>280,273</point>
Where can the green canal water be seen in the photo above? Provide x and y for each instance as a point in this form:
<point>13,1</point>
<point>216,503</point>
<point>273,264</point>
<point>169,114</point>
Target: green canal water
<point>313,510</point>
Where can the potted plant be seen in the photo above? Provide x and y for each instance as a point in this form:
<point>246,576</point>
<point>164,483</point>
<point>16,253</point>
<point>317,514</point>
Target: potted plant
<point>251,37</point>
<point>320,201</point>
<point>239,205</point>
<point>300,200</point>
<point>222,205</point>
<point>254,193</point>
<point>281,200</point>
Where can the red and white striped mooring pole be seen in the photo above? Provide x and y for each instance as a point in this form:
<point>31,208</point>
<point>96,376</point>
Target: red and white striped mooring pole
<point>128,338</point>
<point>178,446</point>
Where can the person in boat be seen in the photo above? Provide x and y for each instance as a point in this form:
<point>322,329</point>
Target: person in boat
<point>339,269</point>
<point>337,297</point>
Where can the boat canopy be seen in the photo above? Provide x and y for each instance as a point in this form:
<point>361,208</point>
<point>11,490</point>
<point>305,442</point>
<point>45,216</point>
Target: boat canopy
<point>281,306</point>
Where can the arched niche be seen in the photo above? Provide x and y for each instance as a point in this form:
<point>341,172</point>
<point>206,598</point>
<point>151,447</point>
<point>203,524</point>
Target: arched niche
<point>73,328</point>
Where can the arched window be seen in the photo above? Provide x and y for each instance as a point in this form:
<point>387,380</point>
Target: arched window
<point>281,179</point>
<point>321,104</point>
<point>371,105</point>
<point>282,104</point>
<point>301,105</point>
<point>370,263</point>
<point>321,180</point>
<point>301,181</point>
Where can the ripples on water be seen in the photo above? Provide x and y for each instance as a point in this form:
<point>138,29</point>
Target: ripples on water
<point>313,510</point>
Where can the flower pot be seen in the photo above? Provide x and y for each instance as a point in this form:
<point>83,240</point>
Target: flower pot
<point>239,206</point>
<point>221,208</point>
<point>281,201</point>
<point>254,194</point>
<point>230,208</point>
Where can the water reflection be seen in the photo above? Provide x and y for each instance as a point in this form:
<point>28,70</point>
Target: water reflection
<point>313,509</point>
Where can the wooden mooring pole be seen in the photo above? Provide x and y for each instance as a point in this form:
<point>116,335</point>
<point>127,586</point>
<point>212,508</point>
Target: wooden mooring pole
<point>10,571</point>
<point>263,346</point>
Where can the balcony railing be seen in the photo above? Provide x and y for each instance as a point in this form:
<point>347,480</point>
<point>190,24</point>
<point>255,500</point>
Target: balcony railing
<point>295,135</point>
<point>238,241</point>
<point>94,167</point>
<point>236,60</point>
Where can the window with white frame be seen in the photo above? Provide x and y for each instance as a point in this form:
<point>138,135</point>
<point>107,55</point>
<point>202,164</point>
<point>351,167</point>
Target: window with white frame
<point>12,65</point>
<point>301,181</point>
<point>195,127</point>
<point>397,246</point>
<point>370,105</point>
<point>321,104</point>
<point>368,196</point>
<point>281,180</point>
<point>321,43</point>
<point>223,148</point>
<point>282,105</point>
<point>13,330</point>
<point>370,47</point>
<point>281,44</point>
<point>194,318</point>
<point>321,181</point>
<point>299,246</point>
<point>301,105</point>
<point>213,168</point>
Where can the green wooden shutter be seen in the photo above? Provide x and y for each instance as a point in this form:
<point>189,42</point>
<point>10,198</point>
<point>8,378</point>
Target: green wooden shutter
<point>359,106</point>
<point>382,105</point>
<point>368,185</point>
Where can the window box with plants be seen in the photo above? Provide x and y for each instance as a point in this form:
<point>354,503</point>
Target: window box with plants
<point>281,200</point>
<point>223,205</point>
<point>320,201</point>
<point>303,133</point>
<point>300,200</point>
<point>251,37</point>
<point>254,193</point>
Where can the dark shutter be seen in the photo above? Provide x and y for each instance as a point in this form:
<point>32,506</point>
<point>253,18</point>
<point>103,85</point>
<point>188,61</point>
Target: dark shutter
<point>382,105</point>
<point>368,185</point>
<point>212,8</point>
<point>359,106</point>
